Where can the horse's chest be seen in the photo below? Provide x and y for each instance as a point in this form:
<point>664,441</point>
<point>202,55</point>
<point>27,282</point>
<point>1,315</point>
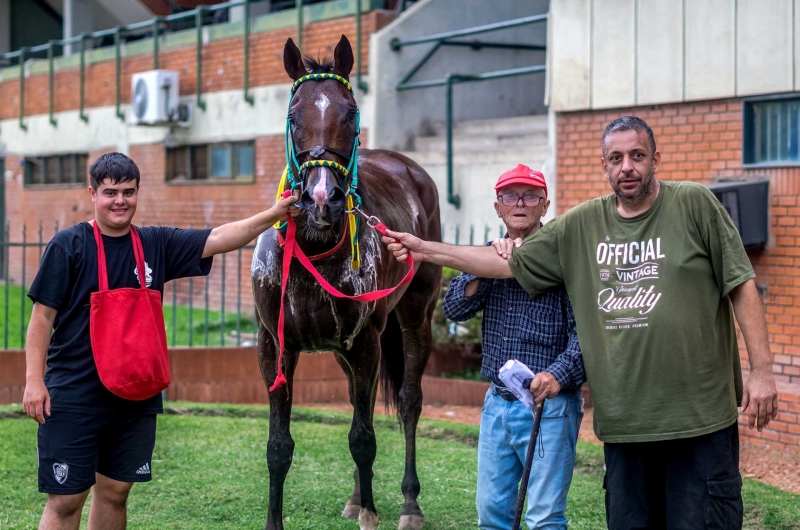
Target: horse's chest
<point>313,318</point>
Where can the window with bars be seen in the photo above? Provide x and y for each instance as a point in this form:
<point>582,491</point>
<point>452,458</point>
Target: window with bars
<point>772,132</point>
<point>221,162</point>
<point>57,170</point>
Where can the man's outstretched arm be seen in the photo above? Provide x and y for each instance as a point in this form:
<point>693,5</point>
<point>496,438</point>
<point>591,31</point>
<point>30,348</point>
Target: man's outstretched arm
<point>237,234</point>
<point>480,261</point>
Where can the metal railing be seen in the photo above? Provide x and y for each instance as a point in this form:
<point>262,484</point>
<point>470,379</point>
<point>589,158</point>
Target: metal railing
<point>446,39</point>
<point>198,312</point>
<point>215,310</point>
<point>155,28</point>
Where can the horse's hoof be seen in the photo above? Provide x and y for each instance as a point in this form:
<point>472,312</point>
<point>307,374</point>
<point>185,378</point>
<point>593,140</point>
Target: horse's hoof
<point>367,520</point>
<point>351,511</point>
<point>412,522</point>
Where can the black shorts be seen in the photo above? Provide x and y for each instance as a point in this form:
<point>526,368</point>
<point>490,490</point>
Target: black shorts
<point>687,484</point>
<point>73,447</point>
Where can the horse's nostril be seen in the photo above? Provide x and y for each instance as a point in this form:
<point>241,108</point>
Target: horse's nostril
<point>307,201</point>
<point>336,196</point>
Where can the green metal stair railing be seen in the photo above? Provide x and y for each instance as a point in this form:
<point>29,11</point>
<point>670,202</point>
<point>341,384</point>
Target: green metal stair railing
<point>446,39</point>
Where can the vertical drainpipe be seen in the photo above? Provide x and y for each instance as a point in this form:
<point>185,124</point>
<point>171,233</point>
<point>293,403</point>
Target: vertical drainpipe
<point>51,81</point>
<point>452,198</point>
<point>362,85</point>
<point>198,22</point>
<point>247,96</point>
<point>81,112</point>
<point>22,125</point>
<point>298,5</point>
<point>156,28</point>
<point>118,70</point>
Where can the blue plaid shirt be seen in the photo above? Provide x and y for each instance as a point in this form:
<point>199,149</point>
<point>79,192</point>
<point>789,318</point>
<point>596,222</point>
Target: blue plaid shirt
<point>539,332</point>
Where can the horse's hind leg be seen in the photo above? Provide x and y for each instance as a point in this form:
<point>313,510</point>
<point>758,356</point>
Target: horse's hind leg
<point>361,364</point>
<point>353,506</point>
<point>414,313</point>
<point>280,446</point>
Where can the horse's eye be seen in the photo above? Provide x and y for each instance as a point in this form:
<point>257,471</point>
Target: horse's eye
<point>292,121</point>
<point>351,115</point>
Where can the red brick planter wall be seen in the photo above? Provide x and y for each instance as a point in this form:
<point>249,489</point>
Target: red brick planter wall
<point>232,375</point>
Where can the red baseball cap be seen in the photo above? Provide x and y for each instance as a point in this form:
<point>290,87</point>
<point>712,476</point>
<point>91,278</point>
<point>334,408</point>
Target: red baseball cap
<point>522,175</point>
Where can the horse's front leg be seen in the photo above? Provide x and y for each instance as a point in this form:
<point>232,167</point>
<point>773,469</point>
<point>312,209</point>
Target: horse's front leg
<point>361,365</point>
<point>280,445</point>
<point>415,321</point>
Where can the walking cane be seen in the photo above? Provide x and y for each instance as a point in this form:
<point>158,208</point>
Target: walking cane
<point>526,473</point>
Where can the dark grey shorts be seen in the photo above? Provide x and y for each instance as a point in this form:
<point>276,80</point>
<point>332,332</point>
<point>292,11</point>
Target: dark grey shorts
<point>73,447</point>
<point>687,484</point>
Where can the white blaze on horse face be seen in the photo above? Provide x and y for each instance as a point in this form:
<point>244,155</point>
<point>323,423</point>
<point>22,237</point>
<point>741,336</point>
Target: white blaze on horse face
<point>322,104</point>
<point>320,191</point>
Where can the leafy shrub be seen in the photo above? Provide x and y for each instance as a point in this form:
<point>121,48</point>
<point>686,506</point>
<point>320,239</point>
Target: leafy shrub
<point>447,332</point>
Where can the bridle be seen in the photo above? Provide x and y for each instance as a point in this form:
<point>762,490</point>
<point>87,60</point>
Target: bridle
<point>294,175</point>
<point>293,179</point>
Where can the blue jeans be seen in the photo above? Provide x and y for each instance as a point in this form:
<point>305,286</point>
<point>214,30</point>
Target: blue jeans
<point>502,446</point>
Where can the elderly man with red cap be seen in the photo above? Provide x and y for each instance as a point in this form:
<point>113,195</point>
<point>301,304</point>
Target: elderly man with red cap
<point>541,334</point>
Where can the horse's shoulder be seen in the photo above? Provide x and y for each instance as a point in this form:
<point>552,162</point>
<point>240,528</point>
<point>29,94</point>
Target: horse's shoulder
<point>265,254</point>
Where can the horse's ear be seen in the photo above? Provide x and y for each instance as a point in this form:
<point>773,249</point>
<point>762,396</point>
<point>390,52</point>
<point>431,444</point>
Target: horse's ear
<point>343,58</point>
<point>293,60</point>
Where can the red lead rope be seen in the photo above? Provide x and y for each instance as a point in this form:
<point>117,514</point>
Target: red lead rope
<point>290,249</point>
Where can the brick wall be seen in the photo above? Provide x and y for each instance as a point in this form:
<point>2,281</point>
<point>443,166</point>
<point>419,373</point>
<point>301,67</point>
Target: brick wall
<point>232,375</point>
<point>701,142</point>
<point>223,67</point>
<point>182,205</point>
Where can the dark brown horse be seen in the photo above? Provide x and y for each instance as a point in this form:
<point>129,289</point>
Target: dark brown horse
<point>389,338</point>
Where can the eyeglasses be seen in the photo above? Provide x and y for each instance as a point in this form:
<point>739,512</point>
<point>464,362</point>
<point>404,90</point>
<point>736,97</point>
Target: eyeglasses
<point>512,199</point>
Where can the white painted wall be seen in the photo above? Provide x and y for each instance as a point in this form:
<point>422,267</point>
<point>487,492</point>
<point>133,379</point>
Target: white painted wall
<point>569,55</point>
<point>620,53</point>
<point>402,115</point>
<point>78,18</point>
<point>126,11</point>
<point>5,26</point>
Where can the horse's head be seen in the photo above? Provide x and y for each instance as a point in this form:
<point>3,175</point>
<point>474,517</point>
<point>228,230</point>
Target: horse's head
<point>322,117</point>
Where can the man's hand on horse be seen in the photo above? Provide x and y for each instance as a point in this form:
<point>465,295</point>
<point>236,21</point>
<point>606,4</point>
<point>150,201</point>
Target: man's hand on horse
<point>401,243</point>
<point>286,206</point>
<point>505,246</point>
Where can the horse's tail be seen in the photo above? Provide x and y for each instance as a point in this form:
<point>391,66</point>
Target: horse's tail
<point>392,361</point>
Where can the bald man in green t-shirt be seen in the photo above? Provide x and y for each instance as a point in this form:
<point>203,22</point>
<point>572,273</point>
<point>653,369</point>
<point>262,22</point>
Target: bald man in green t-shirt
<point>656,272</point>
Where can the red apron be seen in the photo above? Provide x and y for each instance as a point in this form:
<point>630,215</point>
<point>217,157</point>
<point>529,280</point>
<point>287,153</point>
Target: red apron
<point>126,326</point>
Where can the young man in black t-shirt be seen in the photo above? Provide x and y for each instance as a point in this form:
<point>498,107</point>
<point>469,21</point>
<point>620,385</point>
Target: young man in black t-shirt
<point>89,437</point>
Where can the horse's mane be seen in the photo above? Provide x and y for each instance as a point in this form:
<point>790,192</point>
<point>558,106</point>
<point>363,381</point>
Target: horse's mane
<point>317,66</point>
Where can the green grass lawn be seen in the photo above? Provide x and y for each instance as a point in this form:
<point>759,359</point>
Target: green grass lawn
<point>209,472</point>
<point>181,323</point>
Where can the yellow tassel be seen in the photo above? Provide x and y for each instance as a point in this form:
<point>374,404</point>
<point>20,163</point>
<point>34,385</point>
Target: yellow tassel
<point>355,253</point>
<point>281,189</point>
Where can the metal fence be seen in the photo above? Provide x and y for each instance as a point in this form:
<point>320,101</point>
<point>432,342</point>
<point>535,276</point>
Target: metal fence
<point>216,310</point>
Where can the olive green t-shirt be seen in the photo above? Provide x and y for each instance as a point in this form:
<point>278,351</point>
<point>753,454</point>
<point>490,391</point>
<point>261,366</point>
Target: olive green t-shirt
<point>650,296</point>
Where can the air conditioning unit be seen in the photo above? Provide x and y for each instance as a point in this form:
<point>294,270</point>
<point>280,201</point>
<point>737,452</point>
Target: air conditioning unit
<point>747,202</point>
<point>154,99</point>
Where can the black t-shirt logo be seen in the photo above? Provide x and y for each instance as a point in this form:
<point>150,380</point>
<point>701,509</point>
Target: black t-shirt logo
<point>148,276</point>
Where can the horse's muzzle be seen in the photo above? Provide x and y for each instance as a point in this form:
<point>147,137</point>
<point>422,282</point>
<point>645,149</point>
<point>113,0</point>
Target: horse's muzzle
<point>332,210</point>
